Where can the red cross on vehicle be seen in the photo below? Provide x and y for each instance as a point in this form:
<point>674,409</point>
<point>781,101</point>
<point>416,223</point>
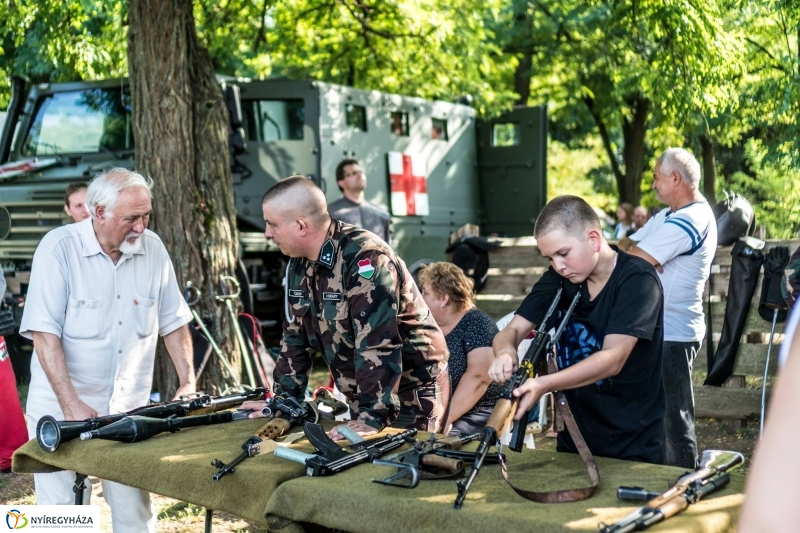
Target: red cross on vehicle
<point>409,186</point>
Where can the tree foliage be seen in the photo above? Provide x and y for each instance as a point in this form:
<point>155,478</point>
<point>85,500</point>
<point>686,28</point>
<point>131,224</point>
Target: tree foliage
<point>639,75</point>
<point>631,67</point>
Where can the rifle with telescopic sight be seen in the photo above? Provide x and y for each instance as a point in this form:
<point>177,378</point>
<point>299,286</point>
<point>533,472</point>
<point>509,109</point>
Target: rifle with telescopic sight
<point>51,433</point>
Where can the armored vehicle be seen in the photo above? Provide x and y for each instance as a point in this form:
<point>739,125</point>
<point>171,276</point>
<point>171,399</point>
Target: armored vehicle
<point>433,165</point>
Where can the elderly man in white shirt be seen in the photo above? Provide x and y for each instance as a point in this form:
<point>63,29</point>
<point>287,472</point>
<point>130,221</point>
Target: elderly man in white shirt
<point>101,291</point>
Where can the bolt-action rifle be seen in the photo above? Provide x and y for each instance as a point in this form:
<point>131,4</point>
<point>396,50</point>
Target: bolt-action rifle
<point>330,458</point>
<point>286,413</point>
<point>429,459</point>
<point>506,406</point>
<point>51,433</point>
<point>692,487</point>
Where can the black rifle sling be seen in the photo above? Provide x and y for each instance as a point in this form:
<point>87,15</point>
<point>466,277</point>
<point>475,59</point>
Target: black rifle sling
<point>563,416</point>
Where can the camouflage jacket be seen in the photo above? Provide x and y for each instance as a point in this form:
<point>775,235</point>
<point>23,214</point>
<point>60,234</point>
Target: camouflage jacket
<point>358,305</point>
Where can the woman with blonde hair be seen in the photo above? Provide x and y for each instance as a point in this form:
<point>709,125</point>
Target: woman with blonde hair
<point>469,333</point>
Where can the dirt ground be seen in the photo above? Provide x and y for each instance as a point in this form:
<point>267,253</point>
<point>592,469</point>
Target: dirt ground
<point>179,517</point>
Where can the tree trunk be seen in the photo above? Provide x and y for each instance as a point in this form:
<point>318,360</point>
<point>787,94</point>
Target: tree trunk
<point>709,169</point>
<point>523,45</point>
<point>180,126</point>
<point>634,129</point>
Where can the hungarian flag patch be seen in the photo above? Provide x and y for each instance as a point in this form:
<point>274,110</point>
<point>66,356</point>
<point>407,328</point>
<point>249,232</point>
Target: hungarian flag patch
<point>365,269</point>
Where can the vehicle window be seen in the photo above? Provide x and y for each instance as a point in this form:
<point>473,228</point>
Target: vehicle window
<point>74,122</point>
<point>356,117</point>
<point>274,120</point>
<point>505,134</point>
<point>399,123</point>
<point>439,129</point>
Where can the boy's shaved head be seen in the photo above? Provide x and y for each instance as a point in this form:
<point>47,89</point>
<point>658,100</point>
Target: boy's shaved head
<point>570,214</point>
<point>298,196</point>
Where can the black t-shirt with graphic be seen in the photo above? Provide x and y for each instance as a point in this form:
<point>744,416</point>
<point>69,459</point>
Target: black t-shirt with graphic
<point>621,416</point>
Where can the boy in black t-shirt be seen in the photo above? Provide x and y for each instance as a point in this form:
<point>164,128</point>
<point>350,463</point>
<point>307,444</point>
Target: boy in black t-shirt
<point>609,355</point>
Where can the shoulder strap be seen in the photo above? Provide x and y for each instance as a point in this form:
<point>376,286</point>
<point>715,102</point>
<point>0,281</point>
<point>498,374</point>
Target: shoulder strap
<point>563,416</point>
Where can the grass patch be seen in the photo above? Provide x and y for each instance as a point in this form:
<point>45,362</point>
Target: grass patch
<point>180,511</point>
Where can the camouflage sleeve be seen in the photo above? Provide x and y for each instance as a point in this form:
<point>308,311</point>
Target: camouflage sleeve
<point>294,362</point>
<point>373,294</point>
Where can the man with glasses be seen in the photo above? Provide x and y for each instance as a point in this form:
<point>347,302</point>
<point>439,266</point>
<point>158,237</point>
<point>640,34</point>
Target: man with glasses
<point>352,208</point>
<point>101,292</point>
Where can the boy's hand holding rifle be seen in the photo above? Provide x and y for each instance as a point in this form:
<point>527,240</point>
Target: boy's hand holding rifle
<point>511,405</point>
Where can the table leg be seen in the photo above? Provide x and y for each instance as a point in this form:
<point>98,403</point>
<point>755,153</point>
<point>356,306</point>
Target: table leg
<point>209,516</point>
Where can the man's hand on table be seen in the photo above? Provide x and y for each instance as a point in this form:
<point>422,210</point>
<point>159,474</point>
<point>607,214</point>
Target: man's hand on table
<point>186,388</point>
<point>356,425</point>
<point>255,406</point>
<point>78,410</point>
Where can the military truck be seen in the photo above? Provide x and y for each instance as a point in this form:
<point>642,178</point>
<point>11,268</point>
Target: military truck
<point>433,165</point>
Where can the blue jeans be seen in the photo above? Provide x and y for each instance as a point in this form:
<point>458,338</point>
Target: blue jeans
<point>679,419</point>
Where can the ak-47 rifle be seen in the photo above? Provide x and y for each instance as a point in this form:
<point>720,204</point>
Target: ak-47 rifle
<point>506,406</point>
<point>710,476</point>
<point>286,413</point>
<point>51,433</point>
<point>444,455</point>
<point>330,458</point>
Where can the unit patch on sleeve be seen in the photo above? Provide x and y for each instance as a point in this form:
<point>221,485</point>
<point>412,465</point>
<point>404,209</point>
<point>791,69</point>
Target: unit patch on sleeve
<point>332,296</point>
<point>365,269</point>
<point>297,293</point>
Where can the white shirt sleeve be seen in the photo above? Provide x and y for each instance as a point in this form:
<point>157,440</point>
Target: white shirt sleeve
<point>46,302</point>
<point>670,239</point>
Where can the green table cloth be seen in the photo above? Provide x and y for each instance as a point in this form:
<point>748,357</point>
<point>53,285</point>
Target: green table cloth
<point>274,492</point>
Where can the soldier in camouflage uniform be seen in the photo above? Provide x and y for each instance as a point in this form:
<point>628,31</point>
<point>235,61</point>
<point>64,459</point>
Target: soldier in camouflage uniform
<point>350,297</point>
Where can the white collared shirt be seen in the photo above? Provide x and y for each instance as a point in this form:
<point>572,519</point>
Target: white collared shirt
<point>107,316</point>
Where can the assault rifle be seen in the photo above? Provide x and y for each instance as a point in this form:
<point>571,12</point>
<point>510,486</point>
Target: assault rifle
<point>330,458</point>
<point>506,406</point>
<point>51,433</point>
<point>710,476</point>
<point>286,413</point>
<point>444,455</point>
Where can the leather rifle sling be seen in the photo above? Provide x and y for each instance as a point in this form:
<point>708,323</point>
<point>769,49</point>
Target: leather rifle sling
<point>563,416</point>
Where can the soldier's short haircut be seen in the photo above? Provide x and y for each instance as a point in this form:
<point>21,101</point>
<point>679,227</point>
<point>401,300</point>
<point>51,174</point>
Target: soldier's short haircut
<point>449,279</point>
<point>683,162</point>
<point>307,197</point>
<point>570,214</point>
<point>72,189</point>
<point>340,170</point>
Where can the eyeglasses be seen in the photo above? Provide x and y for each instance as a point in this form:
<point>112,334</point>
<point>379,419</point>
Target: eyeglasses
<point>134,219</point>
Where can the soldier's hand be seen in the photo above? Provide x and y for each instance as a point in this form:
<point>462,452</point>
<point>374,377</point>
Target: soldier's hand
<point>255,406</point>
<point>502,367</point>
<point>78,410</point>
<point>356,425</point>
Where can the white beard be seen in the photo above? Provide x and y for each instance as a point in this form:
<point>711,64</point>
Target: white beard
<point>130,248</point>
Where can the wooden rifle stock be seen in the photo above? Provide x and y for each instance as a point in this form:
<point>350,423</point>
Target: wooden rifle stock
<point>506,407</point>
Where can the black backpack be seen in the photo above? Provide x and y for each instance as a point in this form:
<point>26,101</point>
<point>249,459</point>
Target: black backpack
<point>471,254</point>
<point>735,219</point>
